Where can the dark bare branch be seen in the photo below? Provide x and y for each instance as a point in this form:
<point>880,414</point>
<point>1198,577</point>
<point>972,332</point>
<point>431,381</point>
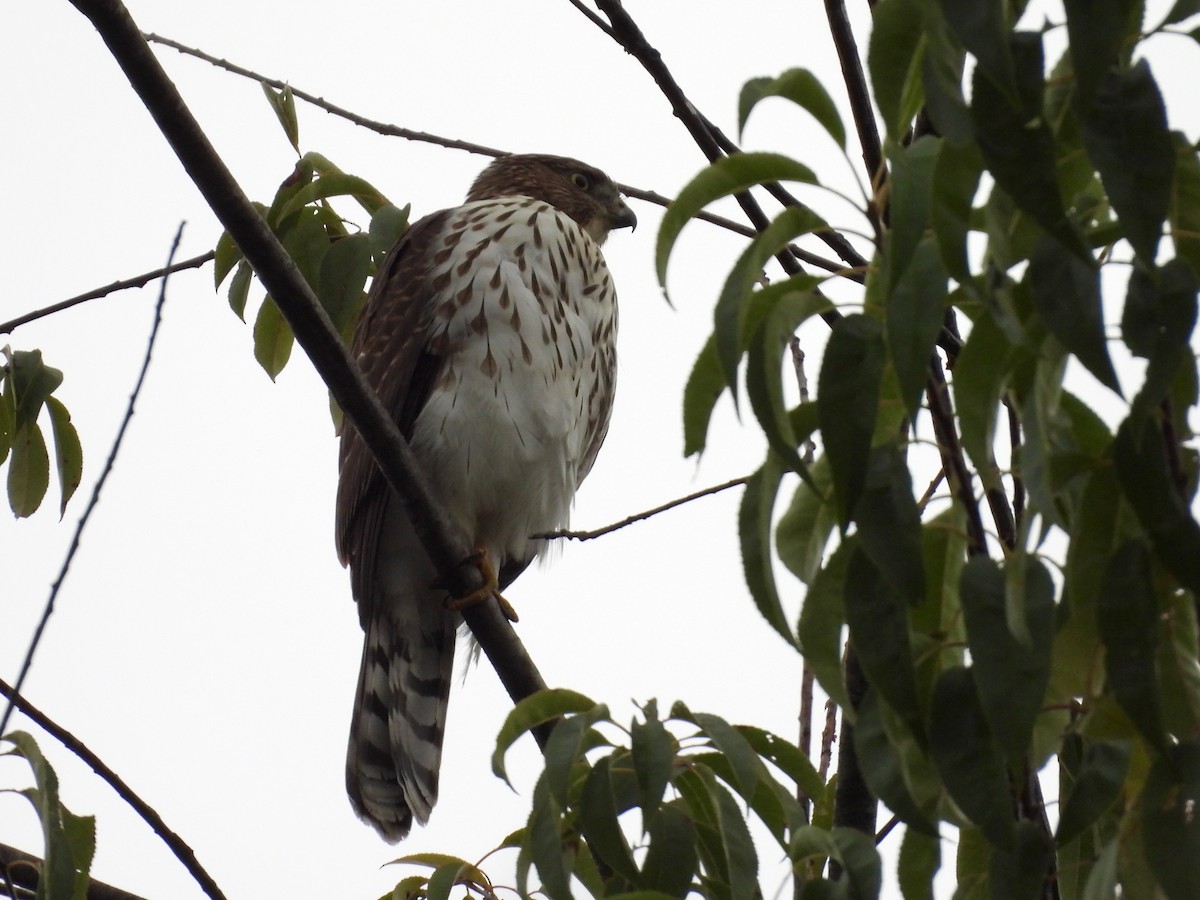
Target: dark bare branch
<point>178,846</point>
<point>447,546</point>
<point>95,294</point>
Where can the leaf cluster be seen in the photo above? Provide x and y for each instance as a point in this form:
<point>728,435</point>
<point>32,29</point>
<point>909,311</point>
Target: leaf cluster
<point>982,663</point>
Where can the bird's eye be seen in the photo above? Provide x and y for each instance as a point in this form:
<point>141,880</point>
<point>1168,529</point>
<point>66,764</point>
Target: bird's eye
<point>580,181</point>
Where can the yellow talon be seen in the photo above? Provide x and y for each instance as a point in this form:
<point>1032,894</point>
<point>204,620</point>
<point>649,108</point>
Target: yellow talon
<point>482,560</point>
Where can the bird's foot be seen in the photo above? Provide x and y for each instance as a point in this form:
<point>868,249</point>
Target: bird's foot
<point>482,560</point>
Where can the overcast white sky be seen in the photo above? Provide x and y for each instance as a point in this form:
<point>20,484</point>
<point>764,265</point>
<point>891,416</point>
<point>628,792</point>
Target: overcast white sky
<point>205,644</point>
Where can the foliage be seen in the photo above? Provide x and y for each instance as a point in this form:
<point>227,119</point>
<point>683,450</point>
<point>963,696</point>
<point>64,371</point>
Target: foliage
<point>1096,666</point>
<point>27,387</point>
<point>70,840</point>
<point>335,262</point>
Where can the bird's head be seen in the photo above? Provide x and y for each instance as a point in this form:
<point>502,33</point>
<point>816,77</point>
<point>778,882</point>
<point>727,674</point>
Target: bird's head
<point>581,191</point>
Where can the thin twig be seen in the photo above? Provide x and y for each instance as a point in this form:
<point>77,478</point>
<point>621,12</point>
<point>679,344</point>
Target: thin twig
<point>390,130</point>
<point>178,846</point>
<point>860,102</point>
<point>95,498</point>
<point>638,517</point>
<point>954,464</point>
<point>136,281</point>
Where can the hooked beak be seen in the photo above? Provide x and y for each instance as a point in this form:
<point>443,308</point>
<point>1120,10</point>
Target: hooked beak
<point>623,217</point>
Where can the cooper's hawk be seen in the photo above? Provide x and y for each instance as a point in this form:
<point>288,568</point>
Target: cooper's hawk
<point>489,334</point>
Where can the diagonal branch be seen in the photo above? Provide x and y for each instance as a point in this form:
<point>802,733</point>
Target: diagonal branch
<point>443,540</point>
<point>124,284</point>
<point>178,846</point>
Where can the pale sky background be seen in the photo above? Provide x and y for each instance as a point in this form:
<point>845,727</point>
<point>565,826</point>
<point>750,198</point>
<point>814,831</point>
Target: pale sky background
<point>205,644</point>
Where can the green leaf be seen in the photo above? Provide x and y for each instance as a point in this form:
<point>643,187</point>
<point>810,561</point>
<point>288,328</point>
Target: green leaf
<point>272,338</point>
<point>911,202</point>
<point>754,530</point>
<point>737,846</point>
<point>1184,210</point>
<point>847,400</point>
<point>786,756</point>
<point>598,819</point>
<point>1141,464</point>
<point>28,470</point>
<point>284,104</point>
<point>239,289</point>
<point>1010,673</point>
<point>227,255</point>
<point>914,316</point>
<point>704,387</point>
<point>31,382</point>
<point>335,184</point>
<point>860,861</point>
<point>388,225</point>
<point>70,840</point>
<point>894,61</point>
<point>544,706</point>
<point>1017,144</point>
<point>821,621</point>
<point>671,860</point>
<point>980,376</point>
<point>1180,10</point>
<point>653,750</point>
<point>729,742</point>
<point>1019,873</point>
<point>802,88</point>
<point>1170,827</point>
<point>544,837</point>
<point>920,858</point>
<point>763,378</point>
<point>1098,784</point>
<point>983,29</point>
<point>1127,612</point>
<point>1157,323</point>
<point>956,177</point>
<point>889,524</point>
<point>8,415</point>
<point>1097,29</point>
<point>1066,294</point>
<point>730,314</point>
<point>803,530</point>
<point>728,175</point>
<point>883,768</point>
<point>68,452</point>
<point>969,761</point>
<point>941,77</point>
<point>1125,133</point>
<point>344,270</point>
<point>878,622</point>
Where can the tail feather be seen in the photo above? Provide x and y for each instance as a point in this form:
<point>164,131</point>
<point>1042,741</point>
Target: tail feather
<point>395,747</point>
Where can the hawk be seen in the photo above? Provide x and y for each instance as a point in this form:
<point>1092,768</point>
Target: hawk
<point>489,334</point>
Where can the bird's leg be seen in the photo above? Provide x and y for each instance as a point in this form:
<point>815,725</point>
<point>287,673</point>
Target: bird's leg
<point>482,560</point>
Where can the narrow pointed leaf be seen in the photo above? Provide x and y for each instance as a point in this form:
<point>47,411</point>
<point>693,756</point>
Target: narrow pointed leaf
<point>544,706</point>
<point>28,470</point>
<point>671,861</point>
<point>598,819</point>
<point>1011,675</point>
<point>68,452</point>
<point>1066,294</point>
<point>968,759</point>
<point>847,399</point>
<point>1171,828</point>
<point>803,531</point>
<point>754,530</point>
<point>983,30</point>
<point>889,524</point>
<point>894,61</point>
<point>1097,29</point>
<point>1184,210</point>
<point>1125,133</point>
<point>728,175</point>
<point>821,621</point>
<point>802,88</point>
<point>1098,784</point>
<point>1127,611</point>
<point>883,769</point>
<point>284,104</point>
<point>704,387</point>
<point>653,749</point>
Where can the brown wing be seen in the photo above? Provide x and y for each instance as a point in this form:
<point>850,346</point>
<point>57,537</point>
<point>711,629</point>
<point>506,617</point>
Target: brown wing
<point>390,344</point>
